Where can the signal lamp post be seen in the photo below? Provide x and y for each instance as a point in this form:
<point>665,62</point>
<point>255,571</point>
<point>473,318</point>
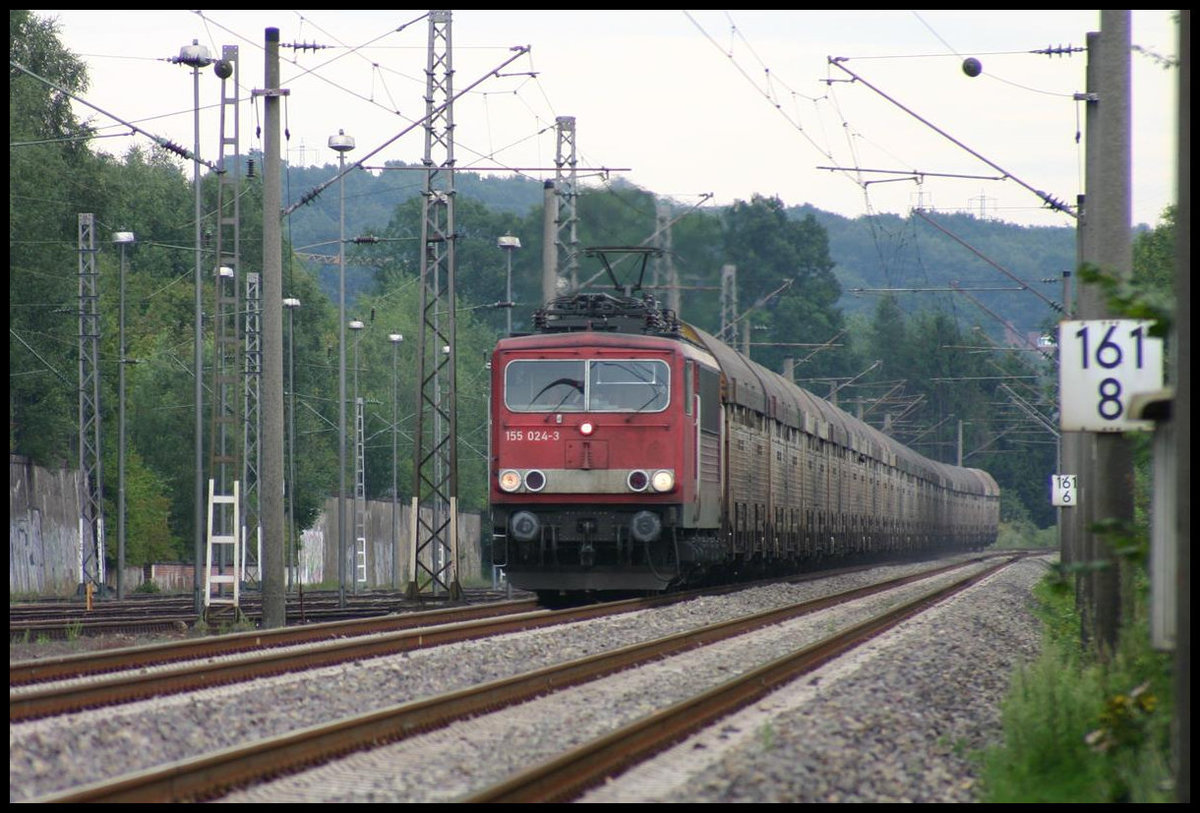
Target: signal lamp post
<point>509,243</point>
<point>395,339</point>
<point>121,238</point>
<point>291,304</point>
<point>196,56</point>
<point>357,327</point>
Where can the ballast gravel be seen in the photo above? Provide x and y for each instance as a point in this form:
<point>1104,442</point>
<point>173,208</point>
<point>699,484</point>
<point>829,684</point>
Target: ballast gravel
<point>900,735</point>
<point>896,720</point>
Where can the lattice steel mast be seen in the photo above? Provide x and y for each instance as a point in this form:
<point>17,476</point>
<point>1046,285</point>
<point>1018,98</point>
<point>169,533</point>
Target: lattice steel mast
<point>566,197</point>
<point>91,469</point>
<point>252,425</point>
<point>665,275</point>
<point>433,549</point>
<point>729,304</point>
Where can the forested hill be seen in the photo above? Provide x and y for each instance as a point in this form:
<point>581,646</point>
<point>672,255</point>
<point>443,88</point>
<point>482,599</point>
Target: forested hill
<point>931,251</point>
<point>871,253</point>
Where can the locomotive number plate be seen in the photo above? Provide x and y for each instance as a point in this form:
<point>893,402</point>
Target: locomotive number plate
<point>532,435</point>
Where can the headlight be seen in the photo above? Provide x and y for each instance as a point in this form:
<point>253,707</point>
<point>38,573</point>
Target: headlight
<point>637,480</point>
<point>510,480</point>
<point>535,480</point>
<point>663,480</point>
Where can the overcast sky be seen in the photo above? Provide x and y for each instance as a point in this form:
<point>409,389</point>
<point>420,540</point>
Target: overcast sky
<point>683,104</point>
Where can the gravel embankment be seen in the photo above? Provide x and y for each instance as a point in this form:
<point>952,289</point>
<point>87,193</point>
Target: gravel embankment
<point>894,721</point>
<point>954,710</point>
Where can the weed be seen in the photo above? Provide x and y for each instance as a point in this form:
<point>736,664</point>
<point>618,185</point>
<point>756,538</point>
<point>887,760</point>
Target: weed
<point>240,623</point>
<point>766,735</point>
<point>1077,729</point>
<point>958,747</point>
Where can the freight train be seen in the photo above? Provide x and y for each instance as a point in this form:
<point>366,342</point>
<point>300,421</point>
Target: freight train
<point>632,452</point>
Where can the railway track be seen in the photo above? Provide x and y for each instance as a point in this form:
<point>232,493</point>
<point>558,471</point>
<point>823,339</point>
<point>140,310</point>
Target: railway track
<point>59,621</point>
<point>51,686</point>
<point>127,666</point>
<point>62,699</point>
<point>566,777</point>
<point>206,776</point>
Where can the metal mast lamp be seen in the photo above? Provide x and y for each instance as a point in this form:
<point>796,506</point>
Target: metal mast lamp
<point>342,143</point>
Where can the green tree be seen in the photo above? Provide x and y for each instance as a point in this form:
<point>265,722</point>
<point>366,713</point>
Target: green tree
<point>396,309</point>
<point>785,281</point>
<point>148,536</point>
<point>158,416</point>
<point>49,168</point>
<point>314,350</point>
<point>1154,254</point>
<point>619,214</point>
<point>934,376</point>
<point>696,243</point>
<point>889,333</point>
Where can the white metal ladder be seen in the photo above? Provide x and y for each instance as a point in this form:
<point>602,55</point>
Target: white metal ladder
<point>233,577</point>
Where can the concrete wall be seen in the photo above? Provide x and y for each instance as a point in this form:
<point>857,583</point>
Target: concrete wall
<point>319,545</point>
<point>43,529</point>
<point>44,548</point>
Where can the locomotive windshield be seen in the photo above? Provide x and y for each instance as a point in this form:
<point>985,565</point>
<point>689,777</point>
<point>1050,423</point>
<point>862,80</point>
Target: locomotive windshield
<point>608,385</point>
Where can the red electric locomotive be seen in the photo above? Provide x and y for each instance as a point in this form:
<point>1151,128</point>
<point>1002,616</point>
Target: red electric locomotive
<point>632,452</point>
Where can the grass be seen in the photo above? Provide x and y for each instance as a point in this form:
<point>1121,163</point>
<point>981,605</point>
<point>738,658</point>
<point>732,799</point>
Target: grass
<point>1078,729</point>
<point>766,736</point>
<point>238,624</point>
<point>1025,536</point>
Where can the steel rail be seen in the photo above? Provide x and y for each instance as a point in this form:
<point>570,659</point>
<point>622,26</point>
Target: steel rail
<point>24,673</point>
<point>63,667</point>
<point>569,775</point>
<point>207,776</point>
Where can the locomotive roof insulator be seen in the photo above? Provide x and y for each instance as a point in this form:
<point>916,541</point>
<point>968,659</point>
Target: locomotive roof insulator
<point>621,312</point>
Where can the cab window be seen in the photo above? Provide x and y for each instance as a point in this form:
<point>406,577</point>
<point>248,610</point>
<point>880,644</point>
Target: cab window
<point>608,385</point>
<point>628,385</point>
<point>545,386</point>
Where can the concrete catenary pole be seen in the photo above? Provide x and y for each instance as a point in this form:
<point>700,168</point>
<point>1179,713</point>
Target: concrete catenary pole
<point>274,612</point>
<point>1073,520</point>
<point>1106,485</point>
<point>1182,369</point>
<point>549,242</point>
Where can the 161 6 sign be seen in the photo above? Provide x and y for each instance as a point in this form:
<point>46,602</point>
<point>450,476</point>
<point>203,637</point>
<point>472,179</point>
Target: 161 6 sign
<point>1102,363</point>
<point>1064,490</point>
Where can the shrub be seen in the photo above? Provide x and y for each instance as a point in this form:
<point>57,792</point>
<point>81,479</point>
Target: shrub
<point>1077,729</point>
